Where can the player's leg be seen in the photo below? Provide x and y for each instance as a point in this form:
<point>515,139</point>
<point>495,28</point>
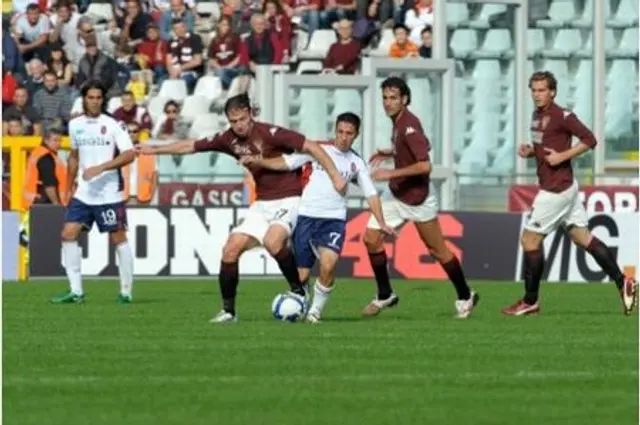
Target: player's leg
<point>431,234</point>
<point>112,219</point>
<point>236,245</point>
<point>577,225</point>
<point>301,241</point>
<point>374,241</point>
<point>77,218</point>
<point>548,212</point>
<point>328,259</point>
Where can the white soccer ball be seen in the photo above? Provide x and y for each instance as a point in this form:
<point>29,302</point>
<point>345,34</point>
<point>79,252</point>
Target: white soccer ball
<point>287,308</point>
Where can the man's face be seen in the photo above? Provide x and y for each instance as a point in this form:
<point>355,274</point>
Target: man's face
<point>37,68</point>
<point>176,5</point>
<point>21,97</point>
<point>392,100</point>
<point>50,81</point>
<point>33,15</point>
<point>54,141</point>
<point>180,29</point>
<point>93,101</point>
<point>258,24</point>
<point>240,121</point>
<point>128,102</point>
<point>401,35</point>
<point>346,134</point>
<point>63,13</point>
<point>15,128</point>
<point>132,8</point>
<point>541,94</point>
<point>153,34</point>
<point>344,29</point>
<point>427,39</point>
<point>134,133</point>
<point>86,29</point>
<point>92,50</point>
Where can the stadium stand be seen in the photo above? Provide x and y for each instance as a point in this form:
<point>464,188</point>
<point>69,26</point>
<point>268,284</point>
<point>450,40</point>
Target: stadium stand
<point>484,51</point>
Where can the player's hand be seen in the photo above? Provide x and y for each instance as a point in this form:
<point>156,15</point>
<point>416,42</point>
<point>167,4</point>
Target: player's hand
<point>554,158</point>
<point>90,173</point>
<point>380,156</point>
<point>340,185</point>
<point>249,160</point>
<point>525,150</point>
<point>381,174</point>
<point>388,230</point>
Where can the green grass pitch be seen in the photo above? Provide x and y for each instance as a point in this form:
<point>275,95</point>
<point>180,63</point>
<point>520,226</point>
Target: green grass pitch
<point>159,362</point>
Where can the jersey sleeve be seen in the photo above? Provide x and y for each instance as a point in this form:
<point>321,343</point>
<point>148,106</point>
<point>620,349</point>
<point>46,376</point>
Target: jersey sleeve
<point>364,180</point>
<point>123,141</point>
<point>217,143</point>
<point>576,128</point>
<point>286,139</point>
<point>417,142</point>
<point>296,160</point>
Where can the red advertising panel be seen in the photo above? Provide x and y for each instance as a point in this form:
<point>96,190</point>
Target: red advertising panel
<point>606,199</point>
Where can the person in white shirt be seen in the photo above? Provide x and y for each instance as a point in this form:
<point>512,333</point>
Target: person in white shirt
<point>100,147</point>
<point>321,225</point>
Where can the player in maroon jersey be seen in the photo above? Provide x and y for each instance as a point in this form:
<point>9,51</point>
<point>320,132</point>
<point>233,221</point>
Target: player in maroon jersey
<point>557,202</point>
<point>272,217</point>
<point>409,197</point>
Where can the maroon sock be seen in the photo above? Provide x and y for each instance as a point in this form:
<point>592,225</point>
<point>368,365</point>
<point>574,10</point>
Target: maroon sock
<point>533,267</point>
<point>287,263</point>
<point>456,276</point>
<point>380,268</point>
<point>228,280</point>
<point>606,260</point>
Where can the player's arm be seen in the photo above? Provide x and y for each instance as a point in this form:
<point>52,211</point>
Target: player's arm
<point>72,169</point>
<point>319,154</point>
<point>181,147</point>
<point>370,193</point>
<point>576,128</point>
<point>419,146</point>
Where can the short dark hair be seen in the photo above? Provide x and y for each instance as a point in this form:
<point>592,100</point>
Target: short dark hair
<point>397,83</point>
<point>127,93</point>
<point>350,118</point>
<point>426,29</point>
<point>400,26</point>
<point>33,6</point>
<point>240,101</point>
<point>552,83</point>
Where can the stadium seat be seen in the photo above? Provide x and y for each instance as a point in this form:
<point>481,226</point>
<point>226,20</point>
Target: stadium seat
<point>167,168</point>
<point>422,103</point>
<point>487,81</point>
<point>626,16</point>
<point>560,69</point>
<point>346,100</point>
<point>463,42</point>
<point>208,86</point>
<point>319,45</point>
<point>583,92</point>
<point>619,99</point>
<point>382,50</point>
<point>609,44</point>
<point>156,107</point>
<point>536,43</point>
<point>628,47</point>
<point>561,12</point>
<point>204,125</point>
<point>174,89</point>
<point>457,15</point>
<point>194,106</point>
<point>197,168</point>
<point>460,115</point>
<point>473,163</point>
<point>114,103</point>
<point>309,67</point>
<point>566,43</point>
<point>586,19</point>
<point>382,134</point>
<point>77,106</point>
<point>313,118</point>
<point>504,161</point>
<point>226,169</point>
<point>488,10</point>
<point>496,43</point>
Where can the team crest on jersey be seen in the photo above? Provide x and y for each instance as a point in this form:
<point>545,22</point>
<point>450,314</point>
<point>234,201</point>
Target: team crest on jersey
<point>353,167</point>
<point>103,129</point>
<point>544,122</point>
<point>258,145</point>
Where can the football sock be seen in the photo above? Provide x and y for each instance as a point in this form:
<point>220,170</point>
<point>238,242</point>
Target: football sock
<point>72,265</point>
<point>125,268</point>
<point>456,276</point>
<point>378,262</point>
<point>320,297</point>
<point>606,260</point>
<point>533,267</point>
<point>228,280</point>
<point>287,263</point>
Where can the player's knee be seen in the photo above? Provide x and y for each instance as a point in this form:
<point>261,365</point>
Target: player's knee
<point>530,241</point>
<point>442,254</point>
<point>326,274</point>
<point>580,236</point>
<point>69,234</point>
<point>274,244</point>
<point>304,274</point>
<point>118,237</point>
<point>373,240</point>
<point>231,251</point>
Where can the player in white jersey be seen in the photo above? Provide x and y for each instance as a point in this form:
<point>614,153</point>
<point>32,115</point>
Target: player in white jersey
<point>321,225</point>
<point>100,147</point>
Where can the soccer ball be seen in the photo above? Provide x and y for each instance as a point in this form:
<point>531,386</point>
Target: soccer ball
<point>287,308</point>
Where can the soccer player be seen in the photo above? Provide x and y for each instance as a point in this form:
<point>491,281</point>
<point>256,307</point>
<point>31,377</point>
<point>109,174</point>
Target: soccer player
<point>322,214</point>
<point>272,217</point>
<point>557,202</point>
<point>409,197</point>
<point>100,147</point>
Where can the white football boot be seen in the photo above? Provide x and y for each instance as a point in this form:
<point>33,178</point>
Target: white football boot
<point>465,307</point>
<point>224,317</point>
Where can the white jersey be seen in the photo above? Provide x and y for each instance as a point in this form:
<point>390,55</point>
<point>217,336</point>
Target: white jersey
<point>319,198</point>
<point>99,140</point>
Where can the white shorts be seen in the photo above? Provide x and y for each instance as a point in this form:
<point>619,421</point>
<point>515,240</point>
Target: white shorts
<point>551,210</point>
<point>396,212</point>
<point>262,214</point>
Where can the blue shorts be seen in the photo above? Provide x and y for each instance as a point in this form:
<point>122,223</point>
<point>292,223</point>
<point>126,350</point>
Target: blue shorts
<point>108,217</point>
<point>312,233</point>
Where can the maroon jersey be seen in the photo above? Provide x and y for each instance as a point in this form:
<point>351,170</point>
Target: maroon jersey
<point>553,128</point>
<point>268,141</point>
<point>410,146</point>
<point>225,49</point>
<point>135,115</point>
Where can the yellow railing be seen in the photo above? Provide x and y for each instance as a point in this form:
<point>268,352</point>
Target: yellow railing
<point>18,148</point>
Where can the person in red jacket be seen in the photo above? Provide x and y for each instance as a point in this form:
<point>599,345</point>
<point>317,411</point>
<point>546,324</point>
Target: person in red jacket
<point>9,86</point>
<point>279,23</point>
<point>152,54</point>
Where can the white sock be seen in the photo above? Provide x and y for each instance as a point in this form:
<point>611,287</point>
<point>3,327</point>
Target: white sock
<point>72,265</point>
<point>125,268</point>
<point>320,297</point>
